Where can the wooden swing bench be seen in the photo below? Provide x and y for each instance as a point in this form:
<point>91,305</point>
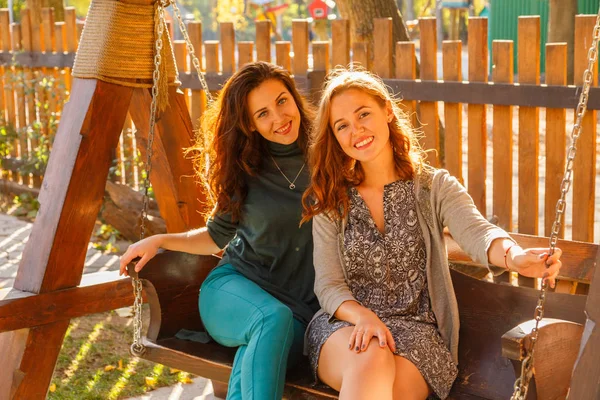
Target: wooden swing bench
<point>492,335</point>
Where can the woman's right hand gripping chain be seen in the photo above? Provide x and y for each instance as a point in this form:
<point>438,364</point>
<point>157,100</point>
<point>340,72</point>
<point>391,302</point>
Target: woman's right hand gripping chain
<point>145,249</point>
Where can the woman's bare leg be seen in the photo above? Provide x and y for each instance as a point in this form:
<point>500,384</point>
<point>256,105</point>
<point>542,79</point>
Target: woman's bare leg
<point>366,375</point>
<point>409,384</point>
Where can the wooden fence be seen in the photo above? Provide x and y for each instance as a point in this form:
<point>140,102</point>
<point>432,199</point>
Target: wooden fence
<point>505,140</point>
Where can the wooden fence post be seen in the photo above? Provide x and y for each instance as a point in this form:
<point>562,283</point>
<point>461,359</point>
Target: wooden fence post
<point>429,111</point>
<point>478,72</point>
<point>452,59</point>
<point>502,133</point>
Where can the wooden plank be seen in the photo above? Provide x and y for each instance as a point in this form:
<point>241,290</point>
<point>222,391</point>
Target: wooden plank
<point>227,47</point>
<point>584,176</point>
<point>556,135</point>
<point>300,46</point>
<point>320,56</point>
<point>172,176</point>
<point>49,45</point>
<point>54,256</point>
<point>181,61</point>
<point>21,105</point>
<point>340,43</point>
<point>34,375</point>
<point>60,34</point>
<point>452,59</point>
<point>198,100</point>
<point>406,68</point>
<point>282,54</point>
<point>28,74</point>
<point>529,135</point>
<point>579,258</point>
<point>9,87</point>
<point>383,47</point>
<point>502,137</point>
<point>71,26</point>
<point>98,292</point>
<point>428,110</point>
<point>361,55</point>
<point>586,374</point>
<point>477,140</point>
<point>5,81</point>
<point>263,41</point>
<point>245,53</point>
<point>211,48</point>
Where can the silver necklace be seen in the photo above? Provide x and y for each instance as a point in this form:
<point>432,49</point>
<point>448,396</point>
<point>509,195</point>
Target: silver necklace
<point>292,183</point>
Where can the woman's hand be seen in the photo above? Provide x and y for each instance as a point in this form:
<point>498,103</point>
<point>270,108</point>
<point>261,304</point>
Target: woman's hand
<point>535,263</point>
<point>369,326</point>
<point>145,249</point>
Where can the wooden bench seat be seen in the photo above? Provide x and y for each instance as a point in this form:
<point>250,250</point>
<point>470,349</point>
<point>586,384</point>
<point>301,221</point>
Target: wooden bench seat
<point>487,312</point>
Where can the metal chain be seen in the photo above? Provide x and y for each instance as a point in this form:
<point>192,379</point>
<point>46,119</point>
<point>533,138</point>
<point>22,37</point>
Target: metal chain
<point>137,348</point>
<point>522,383</point>
<point>191,52</point>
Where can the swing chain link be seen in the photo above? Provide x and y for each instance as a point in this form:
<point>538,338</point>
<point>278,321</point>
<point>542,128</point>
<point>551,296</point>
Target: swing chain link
<point>137,348</point>
<point>191,52</point>
<point>522,383</point>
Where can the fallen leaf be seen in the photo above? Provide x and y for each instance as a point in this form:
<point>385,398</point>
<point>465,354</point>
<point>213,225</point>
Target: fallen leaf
<point>174,371</point>
<point>120,367</point>
<point>109,368</point>
<point>186,380</point>
<point>150,381</point>
<point>52,388</point>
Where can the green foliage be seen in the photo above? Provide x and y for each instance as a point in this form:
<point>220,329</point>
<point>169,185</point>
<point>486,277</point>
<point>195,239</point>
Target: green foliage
<point>18,5</point>
<point>109,236</point>
<point>49,93</point>
<point>26,206</point>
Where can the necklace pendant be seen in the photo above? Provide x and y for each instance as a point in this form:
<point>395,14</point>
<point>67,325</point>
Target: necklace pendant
<point>292,186</point>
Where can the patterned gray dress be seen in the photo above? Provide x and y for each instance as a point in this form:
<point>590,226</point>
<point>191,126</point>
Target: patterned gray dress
<point>386,273</point>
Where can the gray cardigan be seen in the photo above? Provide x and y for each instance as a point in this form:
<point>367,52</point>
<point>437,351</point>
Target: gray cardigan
<point>441,202</point>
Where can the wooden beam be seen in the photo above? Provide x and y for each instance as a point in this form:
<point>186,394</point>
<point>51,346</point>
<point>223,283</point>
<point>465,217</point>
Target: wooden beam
<point>172,175</point>
<point>98,292</point>
<point>585,384</point>
<point>579,258</point>
<point>70,198</point>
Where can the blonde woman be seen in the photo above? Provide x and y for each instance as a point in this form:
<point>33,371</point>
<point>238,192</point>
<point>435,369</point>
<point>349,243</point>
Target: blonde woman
<point>388,328</point>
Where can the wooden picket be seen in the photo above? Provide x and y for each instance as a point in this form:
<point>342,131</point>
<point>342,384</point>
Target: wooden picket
<point>477,117</point>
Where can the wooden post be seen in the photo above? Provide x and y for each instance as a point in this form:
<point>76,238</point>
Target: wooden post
<point>477,141</point>
<point>300,45</point>
<point>340,43</point>
<point>556,135</point>
<point>282,54</point>
<point>227,47</point>
<point>181,61</point>
<point>502,133</point>
<point>383,49</point>
<point>529,135</point>
<point>452,51</point>
<point>72,39</point>
<point>586,373</point>
<point>361,56</point>
<point>429,111</point>
<point>406,68</point>
<point>198,100</point>
<point>584,177</point>
<point>245,53</point>
<point>263,41</point>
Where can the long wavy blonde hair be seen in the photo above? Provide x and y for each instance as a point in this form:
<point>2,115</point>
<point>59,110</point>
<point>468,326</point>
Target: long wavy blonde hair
<point>332,170</point>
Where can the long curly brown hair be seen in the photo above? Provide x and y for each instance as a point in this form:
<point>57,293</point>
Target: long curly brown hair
<point>332,170</point>
<point>227,151</point>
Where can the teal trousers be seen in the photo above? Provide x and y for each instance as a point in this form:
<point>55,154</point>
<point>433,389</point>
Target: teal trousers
<point>238,313</point>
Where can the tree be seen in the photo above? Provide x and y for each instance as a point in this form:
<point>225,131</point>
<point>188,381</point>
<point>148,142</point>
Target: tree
<point>561,28</point>
<point>362,13</point>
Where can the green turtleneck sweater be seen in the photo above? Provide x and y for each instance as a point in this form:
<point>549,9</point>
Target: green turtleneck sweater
<point>267,245</point>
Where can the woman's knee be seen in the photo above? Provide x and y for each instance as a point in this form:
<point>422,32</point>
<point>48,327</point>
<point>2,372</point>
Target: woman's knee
<point>374,359</point>
<point>276,319</point>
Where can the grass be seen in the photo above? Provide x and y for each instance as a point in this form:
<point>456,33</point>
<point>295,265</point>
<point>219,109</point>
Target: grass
<point>94,362</point>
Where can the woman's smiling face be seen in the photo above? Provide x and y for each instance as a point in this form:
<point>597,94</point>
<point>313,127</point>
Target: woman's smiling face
<point>360,124</point>
<point>274,113</point>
